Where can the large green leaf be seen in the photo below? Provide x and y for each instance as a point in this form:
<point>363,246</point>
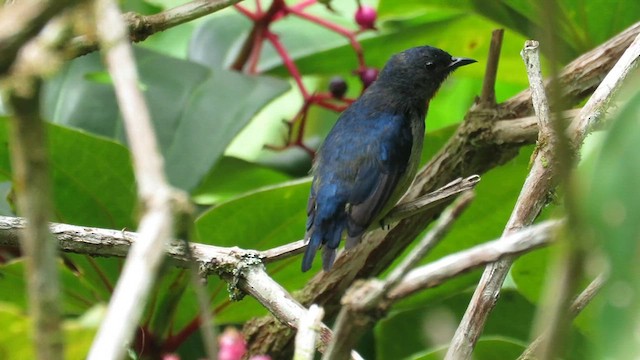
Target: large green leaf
<point>196,111</point>
<point>93,182</point>
<point>612,210</point>
<point>77,294</point>
<point>487,348</point>
<point>232,177</point>
<point>434,323</point>
<point>16,338</point>
<point>582,24</point>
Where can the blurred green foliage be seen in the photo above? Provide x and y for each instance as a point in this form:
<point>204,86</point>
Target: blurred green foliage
<point>213,124</point>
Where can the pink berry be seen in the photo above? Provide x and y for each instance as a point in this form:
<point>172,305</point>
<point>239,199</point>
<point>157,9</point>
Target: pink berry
<point>260,357</point>
<point>368,76</point>
<point>232,345</point>
<point>366,17</point>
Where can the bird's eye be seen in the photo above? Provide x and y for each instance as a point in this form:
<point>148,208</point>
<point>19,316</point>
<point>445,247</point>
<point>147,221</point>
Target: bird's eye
<point>429,65</point>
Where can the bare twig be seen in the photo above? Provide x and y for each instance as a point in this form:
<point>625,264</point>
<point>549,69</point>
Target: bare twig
<point>367,296</point>
<point>533,196</point>
<point>488,95</point>
<point>401,211</point>
<point>426,202</point>
<point>142,26</point>
<point>156,223</point>
<point>437,272</point>
<point>32,184</point>
<point>538,183</point>
<point>577,306</point>
<point>308,328</point>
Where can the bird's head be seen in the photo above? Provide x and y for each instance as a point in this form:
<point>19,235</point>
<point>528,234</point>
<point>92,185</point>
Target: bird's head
<point>419,71</point>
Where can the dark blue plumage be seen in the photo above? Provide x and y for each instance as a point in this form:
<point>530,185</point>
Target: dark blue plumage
<point>371,155</point>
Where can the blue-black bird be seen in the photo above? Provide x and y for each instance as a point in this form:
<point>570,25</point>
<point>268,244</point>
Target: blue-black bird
<point>371,155</point>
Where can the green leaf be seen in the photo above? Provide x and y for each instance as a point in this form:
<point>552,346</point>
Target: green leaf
<point>92,177</point>
<point>232,177</point>
<point>612,210</point>
<point>487,348</point>
<point>77,294</point>
<point>16,338</point>
<point>433,325</point>
<point>196,112</point>
<point>260,220</point>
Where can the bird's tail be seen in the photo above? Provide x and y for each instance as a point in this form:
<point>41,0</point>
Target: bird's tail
<point>327,233</point>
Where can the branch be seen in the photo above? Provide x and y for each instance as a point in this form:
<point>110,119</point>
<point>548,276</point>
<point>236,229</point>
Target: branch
<point>488,95</point>
<point>32,184</point>
<point>441,270</point>
<point>141,27</point>
<point>155,195</point>
<point>308,328</point>
<point>401,211</point>
<point>541,179</point>
<point>242,269</point>
<point>363,298</point>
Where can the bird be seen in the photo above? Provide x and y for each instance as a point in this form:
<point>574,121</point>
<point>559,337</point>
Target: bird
<point>370,156</point>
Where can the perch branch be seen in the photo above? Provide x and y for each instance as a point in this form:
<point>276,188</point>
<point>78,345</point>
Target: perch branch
<point>401,211</point>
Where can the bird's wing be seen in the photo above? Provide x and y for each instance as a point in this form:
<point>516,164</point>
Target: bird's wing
<point>378,176</point>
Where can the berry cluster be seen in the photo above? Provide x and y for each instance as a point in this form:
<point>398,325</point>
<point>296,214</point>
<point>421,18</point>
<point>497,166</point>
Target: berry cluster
<point>335,99</point>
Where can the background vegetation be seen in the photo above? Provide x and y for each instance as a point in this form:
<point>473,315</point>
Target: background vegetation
<point>214,127</point>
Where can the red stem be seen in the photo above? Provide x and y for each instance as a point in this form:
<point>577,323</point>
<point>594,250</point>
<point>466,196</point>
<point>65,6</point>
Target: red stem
<point>258,42</point>
<point>288,62</point>
<point>335,28</point>
<point>244,11</point>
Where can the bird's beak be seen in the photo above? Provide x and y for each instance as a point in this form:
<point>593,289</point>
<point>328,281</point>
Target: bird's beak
<point>456,62</point>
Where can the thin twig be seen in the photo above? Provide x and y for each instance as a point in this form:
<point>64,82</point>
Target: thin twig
<point>530,201</point>
<point>155,195</point>
<point>488,94</point>
<point>533,196</point>
<point>428,201</point>
<point>448,267</point>
<point>141,27</point>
